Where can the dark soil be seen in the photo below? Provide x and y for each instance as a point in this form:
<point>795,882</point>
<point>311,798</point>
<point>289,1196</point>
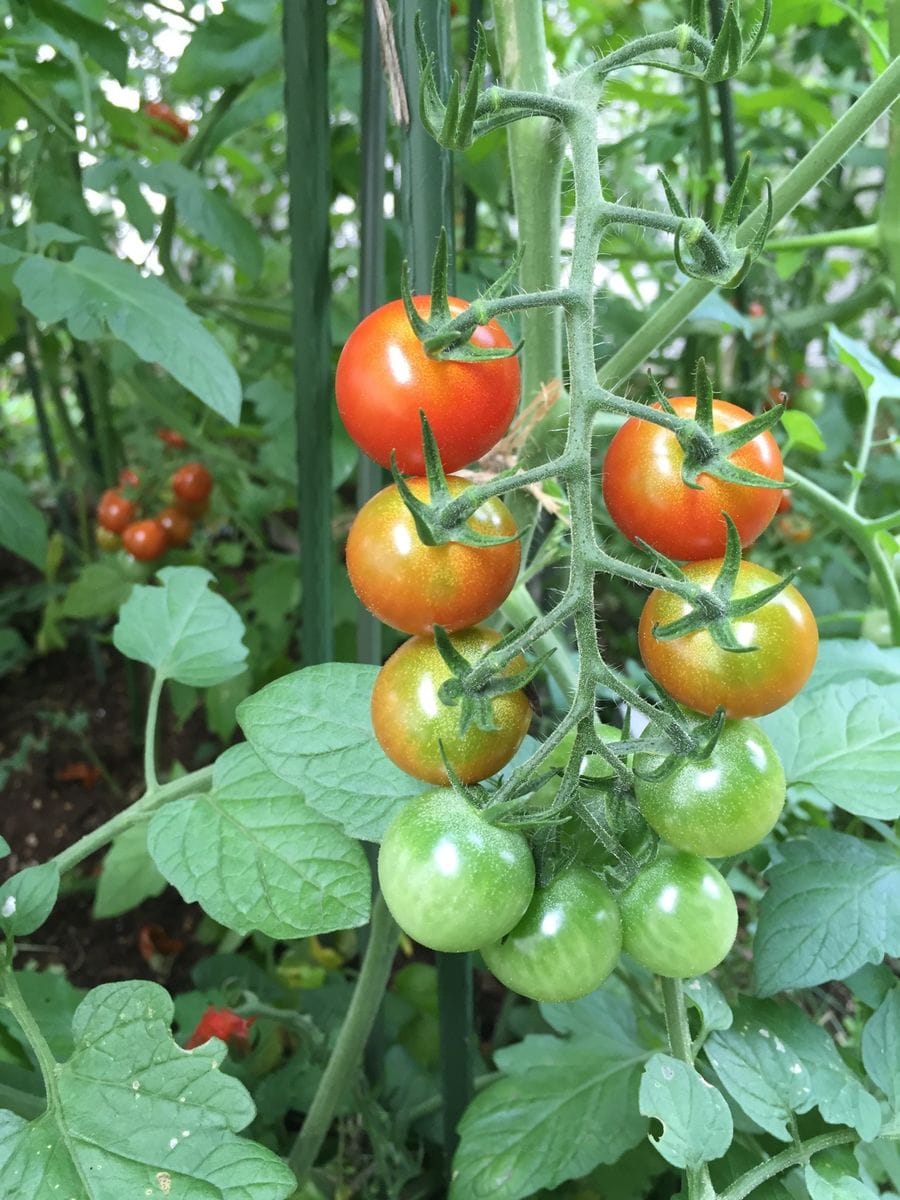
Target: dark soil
<point>41,814</point>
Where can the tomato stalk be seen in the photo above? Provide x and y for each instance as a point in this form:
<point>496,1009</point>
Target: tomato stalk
<point>699,1184</point>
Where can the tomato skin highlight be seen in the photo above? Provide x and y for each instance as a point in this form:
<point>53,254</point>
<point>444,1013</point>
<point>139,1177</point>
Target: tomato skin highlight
<point>565,945</point>
<point>178,526</point>
<point>192,483</point>
<point>145,540</point>
<point>384,377</point>
<point>721,805</point>
<point>647,498</point>
<point>451,880</point>
<point>410,722</point>
<point>114,511</point>
<point>702,676</point>
<point>414,587</point>
<point>679,917</point>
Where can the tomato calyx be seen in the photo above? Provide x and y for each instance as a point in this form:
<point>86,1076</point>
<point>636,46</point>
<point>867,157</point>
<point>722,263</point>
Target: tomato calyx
<point>707,452</point>
<point>715,608</point>
<point>437,520</point>
<point>453,124</point>
<point>475,699</point>
<point>705,735</point>
<point>443,335</point>
<point>712,252</point>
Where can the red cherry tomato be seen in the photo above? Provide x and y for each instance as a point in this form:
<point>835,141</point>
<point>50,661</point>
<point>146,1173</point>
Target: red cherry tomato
<point>786,503</point>
<point>411,722</point>
<point>172,438</point>
<point>129,478</point>
<point>114,512</point>
<point>384,377</point>
<point>178,526</point>
<point>413,586</point>
<point>192,483</point>
<point>167,122</point>
<point>224,1024</point>
<point>648,499</point>
<point>145,540</point>
<point>702,676</point>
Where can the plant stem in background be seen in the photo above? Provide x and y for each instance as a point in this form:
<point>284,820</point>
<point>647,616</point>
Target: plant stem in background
<point>889,219</point>
<point>308,148</point>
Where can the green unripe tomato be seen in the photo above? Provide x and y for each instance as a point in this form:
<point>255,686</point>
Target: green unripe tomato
<point>876,626</point>
<point>451,880</point>
<point>720,805</point>
<point>679,917</point>
<point>566,944</point>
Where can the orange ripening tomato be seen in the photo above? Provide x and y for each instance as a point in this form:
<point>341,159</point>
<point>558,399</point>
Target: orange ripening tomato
<point>177,524</point>
<point>192,483</point>
<point>145,540</point>
<point>701,675</point>
<point>384,378</point>
<point>413,586</point>
<point>794,528</point>
<point>167,122</point>
<point>648,499</point>
<point>114,512</point>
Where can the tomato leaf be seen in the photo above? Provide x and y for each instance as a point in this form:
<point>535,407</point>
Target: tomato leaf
<point>226,48</point>
<point>833,904</point>
<point>183,630</point>
<point>27,899</point>
<point>52,1001</point>
<point>22,527</point>
<point>104,45</point>
<point>844,659</point>
<point>136,1110</point>
<point>128,875</point>
<point>313,729</point>
<point>881,1048</point>
<point>803,431</point>
<point>256,856</point>
<point>564,1107</point>
<point>95,293</point>
<point>98,590</point>
<point>696,1121</point>
<point>840,744</point>
<point>709,1002</point>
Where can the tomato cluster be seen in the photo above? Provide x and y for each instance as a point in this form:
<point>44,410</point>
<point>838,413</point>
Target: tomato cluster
<point>148,538</point>
<point>455,879</point>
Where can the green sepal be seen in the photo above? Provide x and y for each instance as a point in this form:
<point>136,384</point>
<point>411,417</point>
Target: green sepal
<point>476,708</point>
<point>452,123</point>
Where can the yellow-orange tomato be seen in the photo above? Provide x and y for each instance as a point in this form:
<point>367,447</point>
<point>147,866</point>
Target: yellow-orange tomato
<point>413,586</point>
<point>178,526</point>
<point>411,722</point>
<point>703,676</point>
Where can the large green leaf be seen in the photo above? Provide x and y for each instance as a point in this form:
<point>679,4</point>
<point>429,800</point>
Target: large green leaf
<point>833,904</point>
<point>313,729</point>
<point>135,1115</point>
<point>22,528</point>
<point>128,875</point>
<point>95,293</point>
<point>881,1048</point>
<point>226,48</point>
<point>182,629</point>
<point>103,44</point>
<point>696,1121</point>
<point>840,744</point>
<point>256,856</point>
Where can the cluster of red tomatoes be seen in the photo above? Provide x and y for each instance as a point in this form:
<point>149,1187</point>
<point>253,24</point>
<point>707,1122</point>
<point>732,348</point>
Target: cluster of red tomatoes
<point>148,538</point>
<point>453,879</point>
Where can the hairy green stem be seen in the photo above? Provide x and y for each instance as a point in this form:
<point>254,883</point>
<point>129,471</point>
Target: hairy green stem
<point>827,152</point>
<point>150,780</point>
<point>348,1049</point>
<point>11,997</point>
<point>196,781</point>
<point>794,1156</point>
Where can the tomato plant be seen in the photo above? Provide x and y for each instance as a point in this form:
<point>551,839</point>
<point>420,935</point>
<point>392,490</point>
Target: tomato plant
<point>177,524</point>
<point>565,945</point>
<point>413,586</point>
<point>679,917</point>
<point>648,499</point>
<point>167,122</point>
<point>384,378</point>
<point>781,641</point>
<point>172,438</point>
<point>412,724</point>
<point>145,540</point>
<point>192,483</point>
<point>452,880</point>
<point>106,539</point>
<point>114,511</point>
<point>719,805</point>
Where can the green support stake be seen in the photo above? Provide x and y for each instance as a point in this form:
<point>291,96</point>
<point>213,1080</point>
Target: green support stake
<point>308,144</point>
<point>426,205</point>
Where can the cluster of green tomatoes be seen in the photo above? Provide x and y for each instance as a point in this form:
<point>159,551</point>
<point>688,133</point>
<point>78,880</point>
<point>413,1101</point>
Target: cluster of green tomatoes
<point>454,878</point>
